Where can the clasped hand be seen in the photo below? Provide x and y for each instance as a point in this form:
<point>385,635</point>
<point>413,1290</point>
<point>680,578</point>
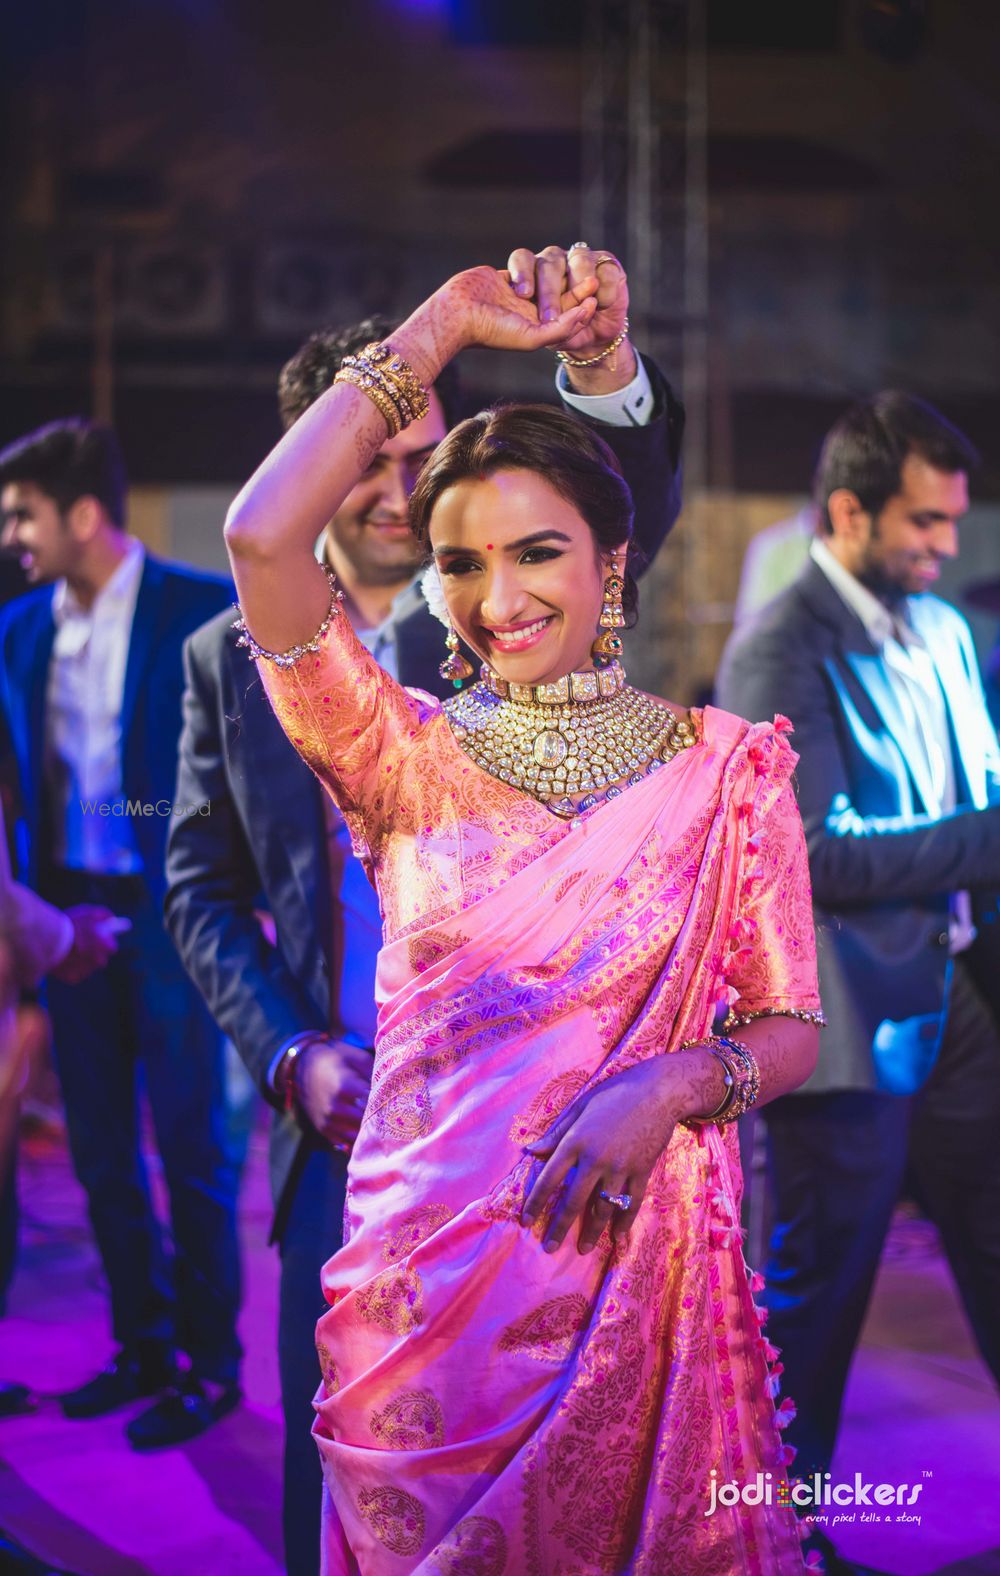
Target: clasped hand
<point>575,300</point>
<point>608,1141</point>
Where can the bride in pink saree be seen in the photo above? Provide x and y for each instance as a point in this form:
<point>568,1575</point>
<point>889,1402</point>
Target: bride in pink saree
<point>542,1354</point>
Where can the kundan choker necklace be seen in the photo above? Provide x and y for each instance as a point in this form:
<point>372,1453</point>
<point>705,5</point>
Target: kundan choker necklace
<point>589,733</point>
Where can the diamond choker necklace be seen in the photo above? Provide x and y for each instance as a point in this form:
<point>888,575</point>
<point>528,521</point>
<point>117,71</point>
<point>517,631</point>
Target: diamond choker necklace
<point>589,733</point>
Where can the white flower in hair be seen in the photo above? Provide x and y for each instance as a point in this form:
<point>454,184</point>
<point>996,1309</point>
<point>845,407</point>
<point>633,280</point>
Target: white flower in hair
<point>433,594</point>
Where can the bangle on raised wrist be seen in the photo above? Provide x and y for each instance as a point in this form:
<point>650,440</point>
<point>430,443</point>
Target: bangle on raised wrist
<point>592,361</point>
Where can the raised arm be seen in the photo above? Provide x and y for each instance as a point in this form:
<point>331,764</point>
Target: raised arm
<point>274,522</point>
<point>606,383</point>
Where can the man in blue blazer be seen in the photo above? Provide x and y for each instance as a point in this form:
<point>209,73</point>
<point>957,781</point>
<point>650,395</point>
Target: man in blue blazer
<point>91,704</point>
<point>899,787</point>
<point>272,841</point>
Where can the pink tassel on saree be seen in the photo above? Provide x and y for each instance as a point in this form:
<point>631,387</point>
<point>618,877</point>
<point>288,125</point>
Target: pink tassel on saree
<point>488,1409</point>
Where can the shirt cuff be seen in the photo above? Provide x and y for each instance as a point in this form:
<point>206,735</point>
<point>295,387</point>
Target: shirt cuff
<point>631,406</point>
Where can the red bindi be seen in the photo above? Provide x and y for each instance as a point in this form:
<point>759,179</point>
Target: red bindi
<point>489,547</point>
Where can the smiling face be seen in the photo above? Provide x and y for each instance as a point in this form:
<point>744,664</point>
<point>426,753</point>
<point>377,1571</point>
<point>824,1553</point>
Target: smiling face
<point>369,541</point>
<point>522,574</point>
<point>38,533</point>
<point>900,552</point>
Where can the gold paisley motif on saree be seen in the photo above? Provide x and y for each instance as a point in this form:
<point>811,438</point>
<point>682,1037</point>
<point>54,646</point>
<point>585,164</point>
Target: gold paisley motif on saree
<point>402,1108</point>
<point>392,1300</point>
<point>551,1331</point>
<point>328,1370</point>
<point>427,949</point>
<point>411,1421</point>
<point>396,1518</point>
<point>476,1547</point>
<point>548,1103</point>
<point>416,1226</point>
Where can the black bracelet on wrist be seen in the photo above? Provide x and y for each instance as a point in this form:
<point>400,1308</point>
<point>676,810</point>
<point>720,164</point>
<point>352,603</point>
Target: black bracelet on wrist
<point>285,1076</point>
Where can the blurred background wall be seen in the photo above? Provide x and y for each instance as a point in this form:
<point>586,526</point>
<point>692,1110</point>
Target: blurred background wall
<point>806,195</point>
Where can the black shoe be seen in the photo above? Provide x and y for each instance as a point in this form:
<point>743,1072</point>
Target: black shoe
<point>16,1400</point>
<point>183,1413</point>
<point>125,1379</point>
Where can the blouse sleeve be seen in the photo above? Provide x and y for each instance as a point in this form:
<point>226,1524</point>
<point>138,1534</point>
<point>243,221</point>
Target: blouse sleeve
<point>772,965</point>
<point>349,720</point>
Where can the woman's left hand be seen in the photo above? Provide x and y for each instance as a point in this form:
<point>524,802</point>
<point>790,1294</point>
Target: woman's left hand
<point>606,1141</point>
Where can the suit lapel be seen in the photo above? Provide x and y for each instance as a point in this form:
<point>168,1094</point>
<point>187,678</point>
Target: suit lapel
<point>142,640</point>
<point>37,657</point>
<point>420,649</point>
<point>870,670</point>
<point>261,753</point>
<point>868,666</point>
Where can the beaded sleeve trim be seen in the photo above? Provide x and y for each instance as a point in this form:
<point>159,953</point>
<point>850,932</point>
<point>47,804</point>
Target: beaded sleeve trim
<point>288,659</point>
<point>740,1020</point>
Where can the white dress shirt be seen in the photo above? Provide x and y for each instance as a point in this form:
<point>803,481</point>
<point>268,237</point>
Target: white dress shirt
<point>83,736</point>
<point>918,693</point>
<point>631,406</point>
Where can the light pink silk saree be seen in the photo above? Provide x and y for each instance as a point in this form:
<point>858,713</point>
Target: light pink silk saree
<point>488,1409</point>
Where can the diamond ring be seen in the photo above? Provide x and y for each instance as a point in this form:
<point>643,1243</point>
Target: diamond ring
<point>618,1200</point>
<point>580,246</point>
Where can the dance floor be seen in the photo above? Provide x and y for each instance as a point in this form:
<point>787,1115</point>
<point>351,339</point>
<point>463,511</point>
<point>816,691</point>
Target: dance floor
<point>921,1410</point>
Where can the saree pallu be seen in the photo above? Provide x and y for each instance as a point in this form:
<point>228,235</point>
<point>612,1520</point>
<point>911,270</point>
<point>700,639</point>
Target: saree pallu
<point>488,1409</point>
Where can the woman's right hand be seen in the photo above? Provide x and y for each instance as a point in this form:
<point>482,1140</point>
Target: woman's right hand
<point>479,308</point>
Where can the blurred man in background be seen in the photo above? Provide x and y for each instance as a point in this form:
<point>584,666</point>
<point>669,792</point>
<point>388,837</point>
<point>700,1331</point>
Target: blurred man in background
<point>92,682</point>
<point>899,787</point>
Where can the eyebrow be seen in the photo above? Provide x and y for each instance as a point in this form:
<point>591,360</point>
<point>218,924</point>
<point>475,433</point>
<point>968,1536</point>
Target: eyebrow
<point>512,547</point>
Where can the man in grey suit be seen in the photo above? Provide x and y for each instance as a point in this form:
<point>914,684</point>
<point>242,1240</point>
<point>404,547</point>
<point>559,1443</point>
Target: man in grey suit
<point>272,841</point>
<point>899,788</point>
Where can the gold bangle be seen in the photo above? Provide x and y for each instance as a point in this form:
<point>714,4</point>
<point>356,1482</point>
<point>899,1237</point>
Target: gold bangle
<point>591,361</point>
<point>394,376</point>
<point>742,1079</point>
<point>288,659</point>
<point>373,387</point>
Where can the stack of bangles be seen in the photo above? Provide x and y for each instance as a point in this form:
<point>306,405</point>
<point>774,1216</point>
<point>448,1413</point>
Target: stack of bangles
<point>742,1076</point>
<point>389,382</point>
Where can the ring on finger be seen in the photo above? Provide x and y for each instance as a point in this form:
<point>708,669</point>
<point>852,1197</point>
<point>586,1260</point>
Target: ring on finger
<point>580,246</point>
<point>606,257</point>
<point>616,1200</point>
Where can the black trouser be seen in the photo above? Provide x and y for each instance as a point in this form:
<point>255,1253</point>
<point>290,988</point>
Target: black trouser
<point>142,1012</point>
<point>313,1232</point>
<point>836,1166</point>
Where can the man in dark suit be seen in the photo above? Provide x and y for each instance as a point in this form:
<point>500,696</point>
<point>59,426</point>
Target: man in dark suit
<point>899,787</point>
<point>91,702</point>
<point>273,841</point>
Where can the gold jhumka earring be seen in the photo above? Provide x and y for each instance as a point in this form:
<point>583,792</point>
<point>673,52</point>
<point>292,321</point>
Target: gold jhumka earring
<point>608,645</point>
<point>454,666</point>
